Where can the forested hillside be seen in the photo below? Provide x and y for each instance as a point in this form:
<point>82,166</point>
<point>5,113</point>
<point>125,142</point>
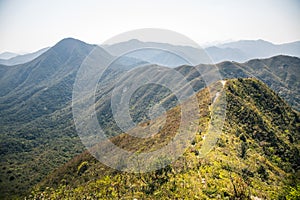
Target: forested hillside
<point>257,155</point>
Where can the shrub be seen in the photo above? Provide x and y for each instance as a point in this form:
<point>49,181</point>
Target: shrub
<point>82,168</point>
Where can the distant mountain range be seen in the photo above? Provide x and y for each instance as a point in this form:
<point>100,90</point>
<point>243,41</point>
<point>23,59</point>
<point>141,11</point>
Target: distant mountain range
<point>239,51</point>
<point>15,59</point>
<point>250,49</point>
<point>37,132</point>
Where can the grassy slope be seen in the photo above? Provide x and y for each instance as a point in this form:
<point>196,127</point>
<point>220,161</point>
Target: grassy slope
<point>257,155</point>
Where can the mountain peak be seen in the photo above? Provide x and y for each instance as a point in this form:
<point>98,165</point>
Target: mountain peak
<point>69,41</point>
<point>66,48</point>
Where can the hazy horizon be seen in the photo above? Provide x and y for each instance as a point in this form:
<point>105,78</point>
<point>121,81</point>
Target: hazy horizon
<point>27,26</point>
<point>204,45</point>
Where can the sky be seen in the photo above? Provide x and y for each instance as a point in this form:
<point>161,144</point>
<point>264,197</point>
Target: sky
<point>26,26</point>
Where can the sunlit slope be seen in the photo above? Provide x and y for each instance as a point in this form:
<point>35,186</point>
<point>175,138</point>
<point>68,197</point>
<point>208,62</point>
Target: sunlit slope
<point>257,155</point>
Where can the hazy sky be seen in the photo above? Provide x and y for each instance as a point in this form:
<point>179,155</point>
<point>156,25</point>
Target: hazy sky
<point>28,25</point>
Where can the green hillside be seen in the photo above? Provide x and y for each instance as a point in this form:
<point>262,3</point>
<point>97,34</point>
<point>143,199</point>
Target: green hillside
<point>280,73</point>
<point>37,132</point>
<point>257,155</point>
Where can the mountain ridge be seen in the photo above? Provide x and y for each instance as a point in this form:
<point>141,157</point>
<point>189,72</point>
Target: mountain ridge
<point>21,59</point>
<point>242,142</point>
<point>7,55</point>
<point>239,51</point>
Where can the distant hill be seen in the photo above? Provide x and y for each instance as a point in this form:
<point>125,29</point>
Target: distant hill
<point>7,55</point>
<point>251,49</point>
<point>218,54</point>
<point>257,156</point>
<point>40,80</point>
<point>155,57</point>
<point>20,59</point>
<point>240,51</point>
